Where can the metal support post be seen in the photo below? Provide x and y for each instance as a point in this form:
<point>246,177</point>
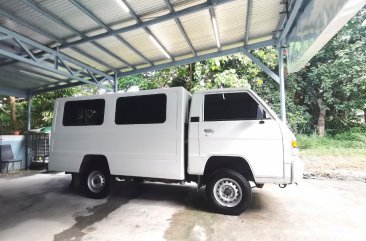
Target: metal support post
<point>115,82</point>
<point>282,85</point>
<point>29,106</point>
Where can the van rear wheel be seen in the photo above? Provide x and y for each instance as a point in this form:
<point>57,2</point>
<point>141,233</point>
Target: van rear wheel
<point>96,182</point>
<point>228,192</point>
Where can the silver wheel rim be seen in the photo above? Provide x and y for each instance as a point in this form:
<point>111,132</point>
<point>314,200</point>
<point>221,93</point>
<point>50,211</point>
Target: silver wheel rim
<point>96,181</point>
<point>227,192</point>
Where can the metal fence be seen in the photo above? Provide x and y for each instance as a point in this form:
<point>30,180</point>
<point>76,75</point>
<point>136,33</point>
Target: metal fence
<point>38,146</point>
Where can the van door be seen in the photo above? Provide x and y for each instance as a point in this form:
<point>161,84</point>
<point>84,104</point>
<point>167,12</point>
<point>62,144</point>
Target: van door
<point>234,124</point>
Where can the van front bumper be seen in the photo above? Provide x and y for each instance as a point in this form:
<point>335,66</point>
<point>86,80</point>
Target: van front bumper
<point>297,170</point>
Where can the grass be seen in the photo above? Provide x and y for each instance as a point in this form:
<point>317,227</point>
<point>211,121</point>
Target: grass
<point>351,142</point>
<point>341,152</point>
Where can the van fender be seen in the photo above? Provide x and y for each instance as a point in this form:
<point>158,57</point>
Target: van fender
<point>236,162</point>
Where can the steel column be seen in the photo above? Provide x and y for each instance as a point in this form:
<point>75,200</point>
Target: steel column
<point>29,107</point>
<point>115,82</point>
<point>281,73</point>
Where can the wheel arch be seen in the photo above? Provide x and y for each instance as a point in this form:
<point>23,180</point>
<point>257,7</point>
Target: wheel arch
<point>91,160</point>
<point>235,163</point>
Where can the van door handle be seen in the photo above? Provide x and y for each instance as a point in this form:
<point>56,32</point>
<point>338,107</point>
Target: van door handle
<point>209,130</point>
<point>261,122</point>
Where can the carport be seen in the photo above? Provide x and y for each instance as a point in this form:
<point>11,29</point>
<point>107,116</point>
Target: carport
<point>48,45</point>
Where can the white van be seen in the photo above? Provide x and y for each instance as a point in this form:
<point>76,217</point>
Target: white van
<point>222,139</point>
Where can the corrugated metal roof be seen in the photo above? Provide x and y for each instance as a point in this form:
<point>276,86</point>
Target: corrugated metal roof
<point>64,22</point>
<point>265,18</point>
<point>198,27</point>
<point>231,19</point>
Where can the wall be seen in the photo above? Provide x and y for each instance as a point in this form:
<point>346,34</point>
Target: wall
<point>18,145</point>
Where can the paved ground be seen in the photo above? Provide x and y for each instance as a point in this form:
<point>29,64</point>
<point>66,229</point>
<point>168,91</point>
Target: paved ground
<point>43,207</point>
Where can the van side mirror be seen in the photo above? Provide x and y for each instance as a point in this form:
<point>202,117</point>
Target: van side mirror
<point>264,116</point>
<point>261,114</point>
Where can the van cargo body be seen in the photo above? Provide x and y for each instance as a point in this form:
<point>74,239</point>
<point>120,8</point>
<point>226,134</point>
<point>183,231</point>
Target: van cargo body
<point>222,139</point>
<point>146,150</point>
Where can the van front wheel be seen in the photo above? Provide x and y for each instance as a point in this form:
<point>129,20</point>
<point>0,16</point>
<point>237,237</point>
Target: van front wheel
<point>228,192</point>
<point>96,182</point>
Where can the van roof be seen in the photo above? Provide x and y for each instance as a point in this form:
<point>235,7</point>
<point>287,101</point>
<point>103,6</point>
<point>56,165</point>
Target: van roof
<point>140,92</point>
<point>225,90</point>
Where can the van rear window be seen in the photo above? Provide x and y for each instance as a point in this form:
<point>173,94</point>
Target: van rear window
<point>84,112</point>
<point>143,109</point>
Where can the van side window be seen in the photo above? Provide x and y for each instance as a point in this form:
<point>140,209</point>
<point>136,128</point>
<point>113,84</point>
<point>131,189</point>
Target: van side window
<point>230,107</point>
<point>84,112</point>
<point>143,109</point>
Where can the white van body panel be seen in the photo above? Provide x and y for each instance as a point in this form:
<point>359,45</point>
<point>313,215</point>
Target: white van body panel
<point>147,150</point>
<point>158,150</point>
<point>260,145</point>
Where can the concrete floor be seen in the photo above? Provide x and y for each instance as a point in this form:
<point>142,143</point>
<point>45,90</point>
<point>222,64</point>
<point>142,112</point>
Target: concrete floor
<point>43,207</point>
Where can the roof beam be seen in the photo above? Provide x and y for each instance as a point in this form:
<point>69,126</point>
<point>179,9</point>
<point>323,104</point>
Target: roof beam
<point>58,58</point>
<point>82,8</point>
<point>243,49</point>
<point>31,72</point>
<point>11,76</point>
<point>215,27</point>
<point>181,29</point>
<point>177,14</point>
<point>147,30</point>
<point>262,66</point>
<point>52,88</point>
<point>48,35</point>
<point>13,92</point>
<point>282,40</point>
<point>248,21</point>
<point>59,21</point>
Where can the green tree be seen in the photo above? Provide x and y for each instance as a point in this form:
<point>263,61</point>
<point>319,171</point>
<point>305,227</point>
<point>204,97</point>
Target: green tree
<point>332,85</point>
<point>13,111</point>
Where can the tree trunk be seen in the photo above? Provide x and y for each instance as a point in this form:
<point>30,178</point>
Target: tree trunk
<point>13,114</point>
<point>321,119</point>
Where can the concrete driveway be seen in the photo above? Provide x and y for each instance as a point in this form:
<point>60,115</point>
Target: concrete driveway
<point>43,207</point>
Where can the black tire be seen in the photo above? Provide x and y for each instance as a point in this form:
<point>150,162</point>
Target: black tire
<point>89,185</point>
<point>239,192</point>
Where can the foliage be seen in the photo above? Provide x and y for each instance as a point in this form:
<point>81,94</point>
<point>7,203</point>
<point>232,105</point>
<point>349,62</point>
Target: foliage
<point>355,138</point>
<point>42,108</point>
<point>335,77</point>
<point>346,149</point>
